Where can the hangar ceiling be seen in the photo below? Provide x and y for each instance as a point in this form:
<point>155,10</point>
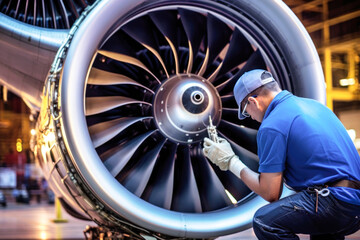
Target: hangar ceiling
<point>334,26</point>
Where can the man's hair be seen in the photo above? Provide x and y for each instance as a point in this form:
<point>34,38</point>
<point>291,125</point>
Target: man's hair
<point>264,90</point>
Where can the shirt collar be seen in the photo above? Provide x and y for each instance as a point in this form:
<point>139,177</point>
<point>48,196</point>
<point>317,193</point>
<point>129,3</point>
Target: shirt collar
<point>281,96</point>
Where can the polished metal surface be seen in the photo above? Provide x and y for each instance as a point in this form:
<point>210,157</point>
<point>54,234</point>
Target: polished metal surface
<point>141,100</point>
<point>47,14</point>
<point>182,106</point>
<point>128,96</point>
<point>26,56</point>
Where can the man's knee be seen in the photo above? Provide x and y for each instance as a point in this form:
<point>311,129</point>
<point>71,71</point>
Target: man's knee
<point>258,221</point>
<point>256,226</point>
<point>265,226</point>
<point>262,230</point>
<point>259,216</point>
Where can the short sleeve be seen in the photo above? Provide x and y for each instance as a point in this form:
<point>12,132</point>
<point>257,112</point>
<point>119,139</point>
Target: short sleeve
<point>271,150</point>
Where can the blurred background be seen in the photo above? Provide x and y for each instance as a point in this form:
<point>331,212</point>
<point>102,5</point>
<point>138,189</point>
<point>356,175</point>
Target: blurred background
<point>334,26</point>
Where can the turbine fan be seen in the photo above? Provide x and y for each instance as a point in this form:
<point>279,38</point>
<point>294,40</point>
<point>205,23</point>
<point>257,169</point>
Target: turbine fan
<point>150,91</point>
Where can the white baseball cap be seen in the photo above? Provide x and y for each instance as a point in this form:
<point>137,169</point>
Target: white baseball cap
<point>247,83</point>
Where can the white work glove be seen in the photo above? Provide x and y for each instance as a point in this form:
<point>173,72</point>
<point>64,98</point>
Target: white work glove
<point>221,154</point>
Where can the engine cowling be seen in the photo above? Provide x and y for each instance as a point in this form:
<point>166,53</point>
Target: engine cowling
<point>126,105</point>
<point>31,32</point>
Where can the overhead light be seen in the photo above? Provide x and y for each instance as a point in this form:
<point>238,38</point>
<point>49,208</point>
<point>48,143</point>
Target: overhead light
<point>347,82</point>
<point>5,94</point>
<point>32,132</point>
<point>19,145</point>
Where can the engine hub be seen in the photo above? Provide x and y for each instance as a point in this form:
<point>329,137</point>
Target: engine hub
<point>182,107</point>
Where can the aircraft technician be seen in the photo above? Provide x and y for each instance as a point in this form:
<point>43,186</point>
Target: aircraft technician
<point>302,143</point>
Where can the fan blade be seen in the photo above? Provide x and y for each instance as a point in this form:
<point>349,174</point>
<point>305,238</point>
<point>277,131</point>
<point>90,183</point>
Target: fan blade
<point>142,30</point>
<point>169,29</point>
<point>229,100</point>
<point>230,113</point>
<point>212,192</point>
<point>123,44</point>
<point>239,51</point>
<point>73,9</point>
<point>186,193</point>
<point>95,105</point>
<point>53,14</point>
<point>127,59</point>
<point>63,14</point>
<point>216,41</point>
<point>234,185</point>
<point>254,62</point>
<point>115,159</point>
<point>44,13</point>
<point>205,63</point>
<point>160,191</point>
<point>102,132</point>
<point>136,178</point>
<point>101,77</point>
<point>248,158</point>
<point>193,24</point>
<point>246,137</point>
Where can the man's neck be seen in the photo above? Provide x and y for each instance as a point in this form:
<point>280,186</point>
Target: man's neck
<point>267,101</point>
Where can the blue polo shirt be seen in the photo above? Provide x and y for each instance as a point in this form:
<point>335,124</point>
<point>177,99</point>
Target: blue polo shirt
<point>307,142</point>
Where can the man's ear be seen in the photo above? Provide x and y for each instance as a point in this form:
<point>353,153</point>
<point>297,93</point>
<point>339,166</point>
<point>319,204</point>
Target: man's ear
<point>254,101</point>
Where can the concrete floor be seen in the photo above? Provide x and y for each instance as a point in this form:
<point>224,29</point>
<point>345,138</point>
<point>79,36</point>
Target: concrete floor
<point>35,221</point>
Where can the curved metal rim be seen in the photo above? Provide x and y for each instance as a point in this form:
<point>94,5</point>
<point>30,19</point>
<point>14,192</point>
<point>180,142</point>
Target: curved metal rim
<point>88,163</point>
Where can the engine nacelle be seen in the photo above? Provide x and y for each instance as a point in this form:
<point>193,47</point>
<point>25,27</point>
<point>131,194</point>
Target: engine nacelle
<point>126,103</point>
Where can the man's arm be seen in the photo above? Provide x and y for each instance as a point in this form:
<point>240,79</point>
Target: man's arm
<point>267,185</point>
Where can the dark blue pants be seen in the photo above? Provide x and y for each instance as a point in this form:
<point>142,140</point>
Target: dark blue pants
<point>294,214</point>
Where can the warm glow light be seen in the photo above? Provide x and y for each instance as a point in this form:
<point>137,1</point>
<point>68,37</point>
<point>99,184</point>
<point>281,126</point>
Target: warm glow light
<point>347,82</point>
<point>5,94</point>
<point>32,132</point>
<point>50,137</point>
<point>19,145</point>
<point>44,149</point>
<point>43,235</point>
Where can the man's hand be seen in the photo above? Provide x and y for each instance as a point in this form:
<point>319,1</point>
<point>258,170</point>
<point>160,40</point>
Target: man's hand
<point>219,152</point>
<point>222,155</point>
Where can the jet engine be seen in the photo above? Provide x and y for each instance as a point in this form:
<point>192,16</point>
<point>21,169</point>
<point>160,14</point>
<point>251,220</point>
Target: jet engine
<point>127,101</point>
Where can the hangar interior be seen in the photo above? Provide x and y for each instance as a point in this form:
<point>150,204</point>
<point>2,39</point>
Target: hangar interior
<point>334,26</point>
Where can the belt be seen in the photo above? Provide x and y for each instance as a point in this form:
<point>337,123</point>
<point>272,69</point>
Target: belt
<point>324,192</point>
<point>345,183</point>
<point>318,190</point>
